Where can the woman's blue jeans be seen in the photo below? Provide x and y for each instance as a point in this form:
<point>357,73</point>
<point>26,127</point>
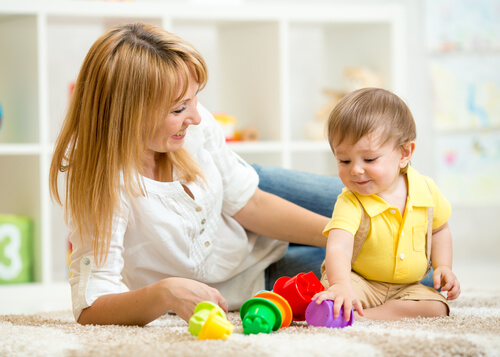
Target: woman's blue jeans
<point>316,193</point>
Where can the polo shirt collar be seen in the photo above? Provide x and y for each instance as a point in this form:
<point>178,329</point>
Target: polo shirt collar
<point>418,195</point>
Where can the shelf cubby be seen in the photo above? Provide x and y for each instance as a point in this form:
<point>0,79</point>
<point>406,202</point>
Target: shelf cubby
<point>19,79</point>
<point>268,65</point>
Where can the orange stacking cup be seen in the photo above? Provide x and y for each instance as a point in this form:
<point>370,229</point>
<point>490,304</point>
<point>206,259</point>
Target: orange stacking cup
<point>281,303</point>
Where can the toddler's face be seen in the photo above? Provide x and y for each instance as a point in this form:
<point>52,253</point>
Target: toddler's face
<point>368,167</point>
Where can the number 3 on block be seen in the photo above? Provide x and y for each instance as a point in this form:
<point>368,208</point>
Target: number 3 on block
<point>11,252</point>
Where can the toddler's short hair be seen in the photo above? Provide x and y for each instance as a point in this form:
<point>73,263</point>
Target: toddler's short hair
<point>369,110</point>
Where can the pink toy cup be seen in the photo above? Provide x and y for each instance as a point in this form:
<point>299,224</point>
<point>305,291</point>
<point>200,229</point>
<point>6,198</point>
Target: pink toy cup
<point>322,315</point>
<point>298,291</point>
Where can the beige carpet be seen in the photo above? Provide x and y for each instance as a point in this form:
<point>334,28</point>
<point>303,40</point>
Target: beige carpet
<point>473,329</point>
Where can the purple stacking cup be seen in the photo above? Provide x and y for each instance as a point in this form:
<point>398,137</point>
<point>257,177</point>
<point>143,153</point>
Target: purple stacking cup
<point>322,315</point>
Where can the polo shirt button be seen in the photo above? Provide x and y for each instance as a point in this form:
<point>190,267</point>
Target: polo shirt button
<point>402,234</point>
<point>402,256</point>
<point>86,261</point>
<point>198,209</point>
<point>392,211</point>
<point>207,244</point>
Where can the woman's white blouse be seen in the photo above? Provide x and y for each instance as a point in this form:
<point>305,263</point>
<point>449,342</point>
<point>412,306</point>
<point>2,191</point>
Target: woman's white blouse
<point>168,234</point>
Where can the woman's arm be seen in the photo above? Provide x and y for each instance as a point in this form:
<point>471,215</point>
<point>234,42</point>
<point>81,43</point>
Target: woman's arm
<point>141,306</point>
<point>274,217</point>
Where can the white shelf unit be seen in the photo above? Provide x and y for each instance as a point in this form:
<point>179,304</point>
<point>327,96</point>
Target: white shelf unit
<point>268,64</point>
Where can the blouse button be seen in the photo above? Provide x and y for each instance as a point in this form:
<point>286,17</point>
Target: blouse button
<point>203,230</point>
<point>203,221</point>
<point>198,209</point>
<point>207,244</point>
<point>86,261</point>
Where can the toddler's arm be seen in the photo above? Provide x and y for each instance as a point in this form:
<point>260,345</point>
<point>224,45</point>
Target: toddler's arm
<point>338,269</point>
<point>442,257</point>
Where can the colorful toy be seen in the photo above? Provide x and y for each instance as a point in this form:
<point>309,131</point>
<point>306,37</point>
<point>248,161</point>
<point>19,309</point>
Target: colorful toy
<point>353,78</point>
<point>228,124</point>
<point>209,322</point>
<point>298,291</point>
<point>16,249</point>
<point>260,315</point>
<point>281,303</point>
<point>215,327</point>
<point>249,133</point>
<point>322,315</point>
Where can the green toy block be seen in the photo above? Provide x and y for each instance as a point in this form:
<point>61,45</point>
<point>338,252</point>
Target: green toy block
<point>16,254</point>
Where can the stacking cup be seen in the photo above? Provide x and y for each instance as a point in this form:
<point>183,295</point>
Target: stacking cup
<point>322,315</point>
<point>298,291</point>
<point>216,327</point>
<point>281,303</point>
<point>200,316</point>
<point>260,315</point>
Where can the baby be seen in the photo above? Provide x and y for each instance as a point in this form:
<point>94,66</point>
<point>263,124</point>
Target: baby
<point>393,210</point>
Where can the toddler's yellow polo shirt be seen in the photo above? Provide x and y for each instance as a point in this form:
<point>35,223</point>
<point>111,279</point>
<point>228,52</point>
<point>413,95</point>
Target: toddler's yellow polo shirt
<point>394,250</point>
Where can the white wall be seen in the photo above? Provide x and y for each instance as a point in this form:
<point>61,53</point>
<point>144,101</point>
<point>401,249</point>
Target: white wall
<point>475,234</point>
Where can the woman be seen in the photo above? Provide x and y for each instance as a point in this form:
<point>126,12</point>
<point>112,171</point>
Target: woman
<point>153,195</point>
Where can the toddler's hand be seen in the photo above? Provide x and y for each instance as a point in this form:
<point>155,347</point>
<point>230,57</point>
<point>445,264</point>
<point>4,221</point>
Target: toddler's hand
<point>341,296</point>
<point>444,278</point>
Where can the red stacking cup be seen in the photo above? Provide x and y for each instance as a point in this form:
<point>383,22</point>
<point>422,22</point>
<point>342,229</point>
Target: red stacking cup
<point>298,291</point>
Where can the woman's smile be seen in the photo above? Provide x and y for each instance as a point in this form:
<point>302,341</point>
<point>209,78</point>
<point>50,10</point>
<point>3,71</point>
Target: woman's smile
<point>180,134</point>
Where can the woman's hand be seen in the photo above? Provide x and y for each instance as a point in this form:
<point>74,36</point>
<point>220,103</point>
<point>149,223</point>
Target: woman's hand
<point>182,296</point>
<point>341,295</point>
<point>143,305</point>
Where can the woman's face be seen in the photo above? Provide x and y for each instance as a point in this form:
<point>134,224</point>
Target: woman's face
<point>170,133</point>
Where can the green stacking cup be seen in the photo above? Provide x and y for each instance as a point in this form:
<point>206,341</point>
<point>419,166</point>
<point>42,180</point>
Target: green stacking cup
<point>260,315</point>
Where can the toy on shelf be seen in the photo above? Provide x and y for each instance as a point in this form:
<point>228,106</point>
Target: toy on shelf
<point>68,255</point>
<point>298,291</point>
<point>249,133</point>
<point>16,249</point>
<point>259,315</point>
<point>322,315</point>
<point>1,116</point>
<point>354,78</point>
<point>228,124</point>
<point>209,322</point>
<point>281,303</point>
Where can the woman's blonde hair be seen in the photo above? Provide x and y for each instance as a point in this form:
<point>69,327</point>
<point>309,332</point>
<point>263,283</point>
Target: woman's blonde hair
<point>370,110</point>
<point>131,77</point>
